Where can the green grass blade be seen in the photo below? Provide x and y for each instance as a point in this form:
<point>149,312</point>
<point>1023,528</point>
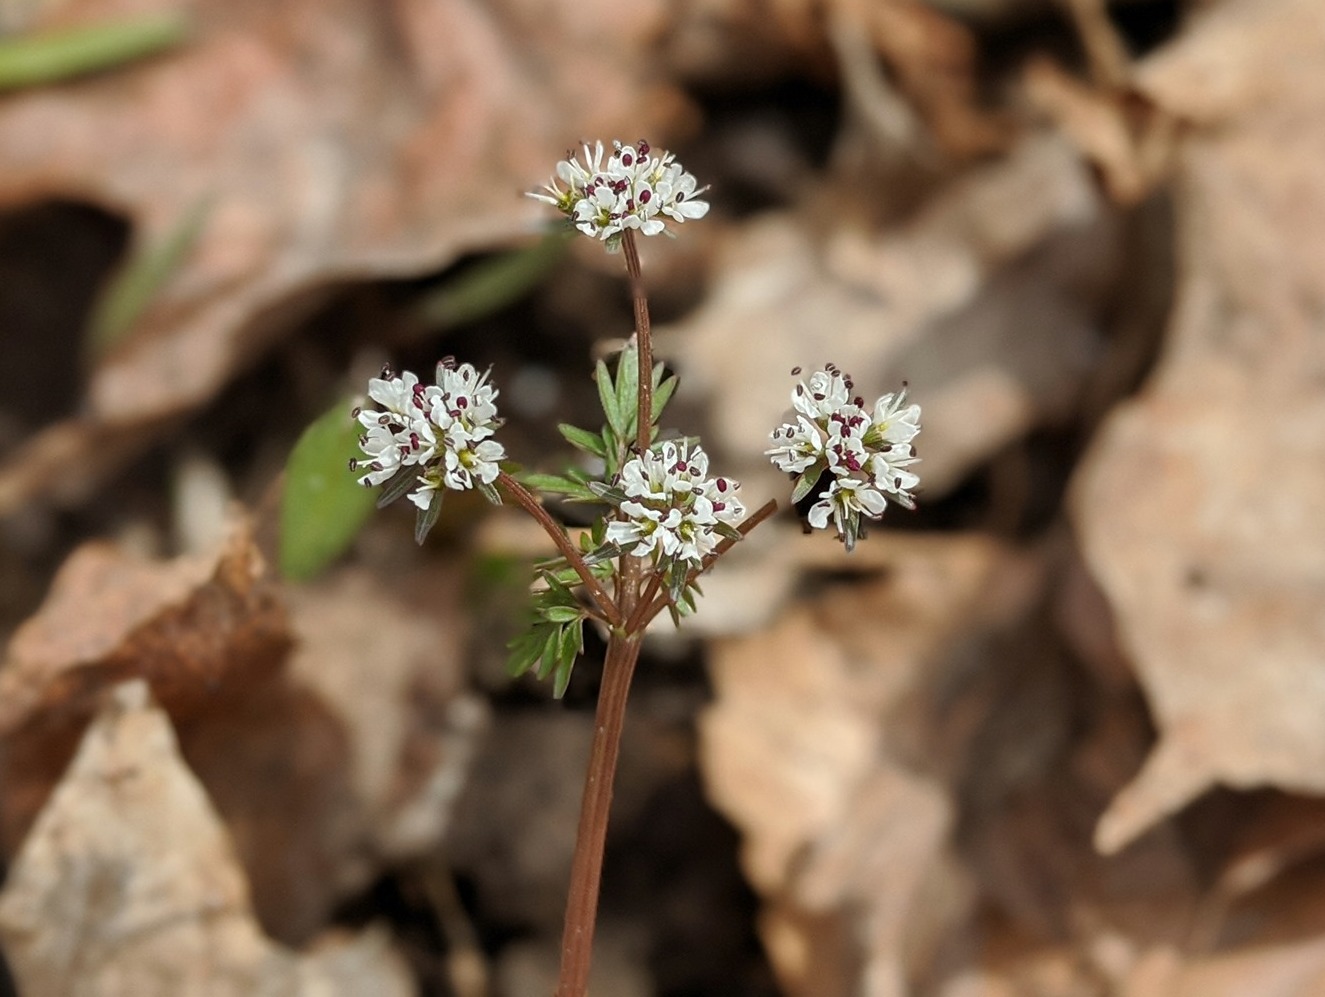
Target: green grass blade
<point>491,284</point>
<point>33,60</point>
<point>138,281</point>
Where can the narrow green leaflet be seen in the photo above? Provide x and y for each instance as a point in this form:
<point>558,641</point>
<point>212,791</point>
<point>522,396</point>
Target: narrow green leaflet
<point>33,60</point>
<point>573,484</point>
<point>323,505</point>
<point>607,397</point>
<point>397,485</point>
<point>427,518</point>
<point>808,479</point>
<point>556,636</point>
<point>135,285</point>
<point>627,391</point>
<point>582,439</point>
<point>662,392</point>
<point>570,643</point>
<point>492,284</point>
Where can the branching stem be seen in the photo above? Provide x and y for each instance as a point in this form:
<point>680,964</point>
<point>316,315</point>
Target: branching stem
<point>606,605</point>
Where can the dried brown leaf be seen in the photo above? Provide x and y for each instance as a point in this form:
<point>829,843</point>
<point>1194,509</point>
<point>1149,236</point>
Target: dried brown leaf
<point>129,885</point>
<point>806,750</point>
<point>201,630</point>
<point>351,759</point>
<point>329,140</point>
<point>1201,503</point>
<point>983,302</point>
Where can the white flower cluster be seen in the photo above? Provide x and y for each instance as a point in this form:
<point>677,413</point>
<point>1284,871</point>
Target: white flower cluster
<point>444,429</point>
<point>672,507</point>
<point>631,190</point>
<point>866,454</point>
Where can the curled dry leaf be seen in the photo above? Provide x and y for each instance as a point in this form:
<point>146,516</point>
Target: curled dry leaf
<point>129,886</point>
<point>351,759</point>
<point>328,140</point>
<point>1199,508</point>
<point>982,302</point>
<point>808,750</point>
<point>326,765</point>
<point>201,630</point>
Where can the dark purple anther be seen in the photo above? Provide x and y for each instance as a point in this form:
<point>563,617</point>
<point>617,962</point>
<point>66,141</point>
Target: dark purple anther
<point>645,196</point>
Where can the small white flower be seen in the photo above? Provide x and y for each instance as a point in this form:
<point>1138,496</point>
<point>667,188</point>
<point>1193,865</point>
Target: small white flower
<point>673,507</point>
<point>633,189</point>
<point>383,452</point>
<point>799,447</point>
<point>467,460</point>
<point>891,422</point>
<point>865,456</point>
<point>721,495</point>
<point>846,500</point>
<point>444,429</point>
<point>639,528</point>
<point>823,394</point>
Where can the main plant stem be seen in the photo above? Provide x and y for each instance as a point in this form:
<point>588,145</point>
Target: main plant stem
<point>623,648</point>
<point>643,341</point>
<point>587,865</point>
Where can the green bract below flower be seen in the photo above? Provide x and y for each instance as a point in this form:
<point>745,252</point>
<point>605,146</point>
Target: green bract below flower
<point>632,189</point>
<point>865,453</point>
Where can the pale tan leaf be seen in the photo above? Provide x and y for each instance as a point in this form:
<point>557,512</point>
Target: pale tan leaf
<point>803,749</point>
<point>329,140</point>
<point>129,885</point>
<point>1200,506</point>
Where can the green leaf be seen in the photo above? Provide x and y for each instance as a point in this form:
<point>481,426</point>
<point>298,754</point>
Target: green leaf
<point>727,531</point>
<point>607,397</point>
<point>427,518</point>
<point>489,492</point>
<point>558,590</point>
<point>397,485</point>
<point>491,284</point>
<point>525,650</point>
<point>323,506</point>
<point>808,479</point>
<point>607,493</point>
<point>134,286</point>
<point>561,614</point>
<point>614,448</point>
<point>582,439</point>
<point>662,394</point>
<point>627,390</point>
<point>570,641</point>
<point>33,60</point>
<point>571,487</point>
<point>548,661</point>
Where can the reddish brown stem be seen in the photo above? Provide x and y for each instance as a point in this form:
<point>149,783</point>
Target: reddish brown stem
<point>587,865</point>
<point>643,341</point>
<point>611,613</point>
